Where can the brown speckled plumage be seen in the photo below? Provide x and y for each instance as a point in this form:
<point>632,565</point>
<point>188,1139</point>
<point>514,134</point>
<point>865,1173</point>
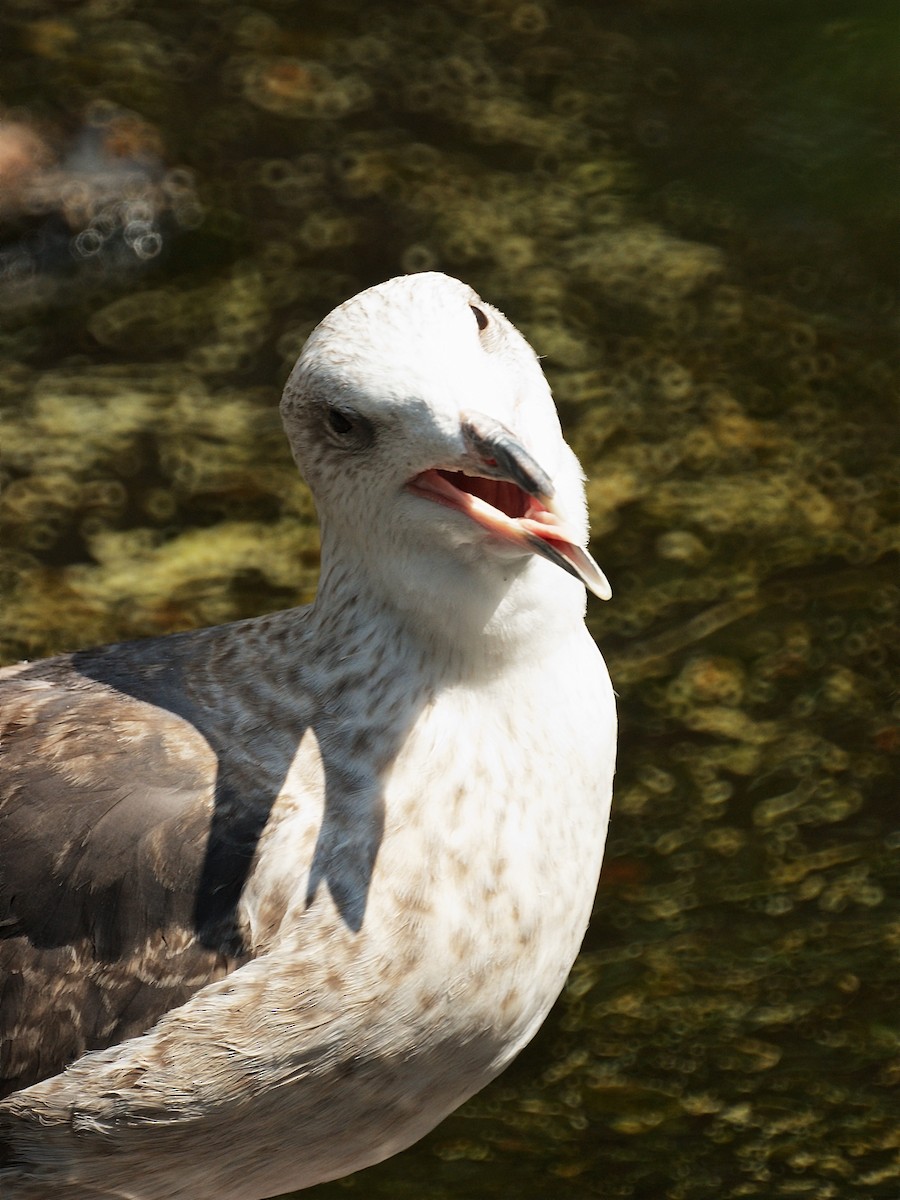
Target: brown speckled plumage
<point>277,896</point>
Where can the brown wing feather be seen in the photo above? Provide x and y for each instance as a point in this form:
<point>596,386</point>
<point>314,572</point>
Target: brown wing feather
<point>102,834</point>
<point>128,822</point>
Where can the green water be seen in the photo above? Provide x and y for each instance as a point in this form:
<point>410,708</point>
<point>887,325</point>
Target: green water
<point>691,210</point>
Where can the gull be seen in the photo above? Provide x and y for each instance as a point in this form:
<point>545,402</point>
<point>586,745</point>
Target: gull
<point>279,895</point>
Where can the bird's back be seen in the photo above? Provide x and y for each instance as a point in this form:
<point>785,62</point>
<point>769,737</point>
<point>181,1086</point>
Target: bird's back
<point>131,803</point>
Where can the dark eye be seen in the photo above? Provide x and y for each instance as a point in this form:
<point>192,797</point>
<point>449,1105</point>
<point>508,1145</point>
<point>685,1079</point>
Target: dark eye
<point>347,428</point>
<point>338,421</point>
<point>480,316</point>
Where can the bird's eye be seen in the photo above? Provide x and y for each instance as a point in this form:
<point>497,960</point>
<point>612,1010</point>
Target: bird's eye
<point>339,421</point>
<point>480,316</point>
<point>347,428</point>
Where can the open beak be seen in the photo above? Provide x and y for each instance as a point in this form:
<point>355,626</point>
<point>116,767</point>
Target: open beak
<point>512,497</point>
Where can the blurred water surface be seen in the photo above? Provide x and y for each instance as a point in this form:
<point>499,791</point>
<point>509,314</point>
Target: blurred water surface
<point>690,210</point>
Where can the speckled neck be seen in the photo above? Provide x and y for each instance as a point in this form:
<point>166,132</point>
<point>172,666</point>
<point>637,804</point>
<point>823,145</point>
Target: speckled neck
<point>491,620</point>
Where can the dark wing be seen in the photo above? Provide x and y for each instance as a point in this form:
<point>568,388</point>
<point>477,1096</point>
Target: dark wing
<point>125,838</point>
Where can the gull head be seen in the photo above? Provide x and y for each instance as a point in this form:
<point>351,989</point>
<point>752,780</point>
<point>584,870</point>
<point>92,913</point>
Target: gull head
<point>423,423</point>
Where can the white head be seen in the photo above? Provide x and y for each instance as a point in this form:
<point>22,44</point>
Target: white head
<point>423,423</point>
